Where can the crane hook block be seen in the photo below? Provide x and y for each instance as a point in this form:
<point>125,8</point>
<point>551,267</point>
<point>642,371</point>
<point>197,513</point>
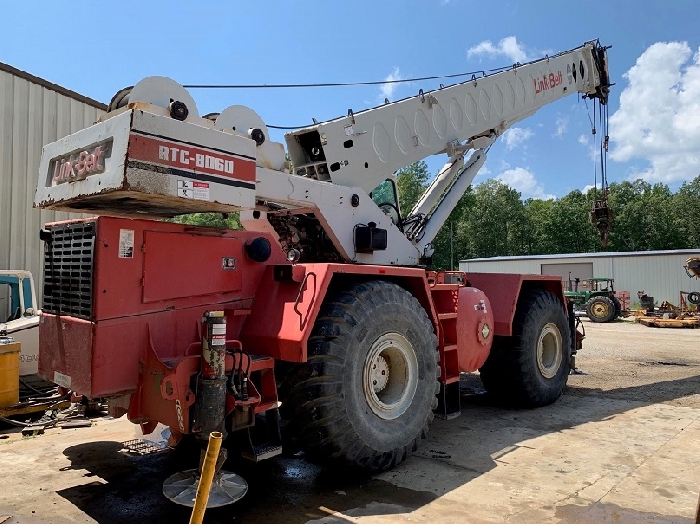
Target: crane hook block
<point>601,218</point>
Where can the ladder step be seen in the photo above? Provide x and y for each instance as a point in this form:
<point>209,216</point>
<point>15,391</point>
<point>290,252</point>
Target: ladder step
<point>258,362</point>
<point>452,379</point>
<point>449,347</point>
<point>263,452</point>
<point>447,316</point>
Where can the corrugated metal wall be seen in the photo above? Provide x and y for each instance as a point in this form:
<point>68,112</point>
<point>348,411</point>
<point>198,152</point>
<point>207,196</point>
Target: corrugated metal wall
<point>661,275</point>
<point>31,115</point>
<point>601,266</point>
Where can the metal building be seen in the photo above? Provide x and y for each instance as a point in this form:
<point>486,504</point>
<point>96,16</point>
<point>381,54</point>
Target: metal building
<point>33,112</point>
<point>659,273</point>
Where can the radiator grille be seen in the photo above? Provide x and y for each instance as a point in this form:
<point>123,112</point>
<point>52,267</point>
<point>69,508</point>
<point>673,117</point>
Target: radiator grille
<point>68,270</point>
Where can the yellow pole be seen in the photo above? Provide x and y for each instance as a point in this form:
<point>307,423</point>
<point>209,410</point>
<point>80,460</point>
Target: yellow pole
<point>205,480</point>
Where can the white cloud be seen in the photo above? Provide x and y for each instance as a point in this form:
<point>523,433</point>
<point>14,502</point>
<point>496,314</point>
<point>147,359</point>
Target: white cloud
<point>659,116</point>
<point>508,47</point>
<point>387,90</point>
<point>516,136</point>
<point>525,182</point>
<point>562,124</point>
<point>583,140</point>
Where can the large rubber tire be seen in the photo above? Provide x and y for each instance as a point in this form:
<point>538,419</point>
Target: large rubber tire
<point>600,309</point>
<point>531,367</point>
<point>329,411</point>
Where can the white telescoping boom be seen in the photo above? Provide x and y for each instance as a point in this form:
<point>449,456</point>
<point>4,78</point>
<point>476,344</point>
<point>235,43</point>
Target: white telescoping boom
<point>362,148</point>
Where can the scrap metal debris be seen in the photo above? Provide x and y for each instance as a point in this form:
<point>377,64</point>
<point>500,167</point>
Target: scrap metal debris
<point>668,314</point>
<point>692,267</point>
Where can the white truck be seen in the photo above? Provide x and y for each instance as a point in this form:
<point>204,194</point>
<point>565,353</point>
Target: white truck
<point>19,318</point>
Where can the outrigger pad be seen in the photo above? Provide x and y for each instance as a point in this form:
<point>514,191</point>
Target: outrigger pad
<point>226,488</point>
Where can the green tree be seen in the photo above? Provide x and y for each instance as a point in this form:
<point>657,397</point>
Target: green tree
<point>411,182</point>
<point>570,228</point>
<point>449,250</point>
<point>686,213</point>
<point>231,221</point>
<point>494,227</point>
<point>539,216</point>
<point>644,217</point>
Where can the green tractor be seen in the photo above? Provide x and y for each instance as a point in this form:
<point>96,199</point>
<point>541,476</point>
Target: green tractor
<point>598,302</point>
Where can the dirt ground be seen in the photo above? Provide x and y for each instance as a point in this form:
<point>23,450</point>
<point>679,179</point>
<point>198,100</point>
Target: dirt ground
<point>628,361</point>
<point>621,446</point>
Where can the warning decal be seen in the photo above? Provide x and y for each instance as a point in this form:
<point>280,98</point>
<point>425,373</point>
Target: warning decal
<point>126,243</point>
<point>62,380</point>
<point>194,190</point>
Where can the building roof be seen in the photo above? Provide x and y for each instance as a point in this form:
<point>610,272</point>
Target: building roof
<point>53,87</point>
<point>600,254</point>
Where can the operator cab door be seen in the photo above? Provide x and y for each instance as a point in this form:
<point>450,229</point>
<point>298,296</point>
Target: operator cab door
<point>386,196</point>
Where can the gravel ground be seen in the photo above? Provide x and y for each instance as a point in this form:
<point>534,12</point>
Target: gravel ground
<point>628,361</point>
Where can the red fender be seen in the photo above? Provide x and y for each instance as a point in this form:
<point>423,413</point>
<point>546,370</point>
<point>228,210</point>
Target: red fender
<point>504,289</point>
<point>286,304</point>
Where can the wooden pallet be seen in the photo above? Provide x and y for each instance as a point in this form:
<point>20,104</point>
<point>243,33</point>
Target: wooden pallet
<point>692,322</point>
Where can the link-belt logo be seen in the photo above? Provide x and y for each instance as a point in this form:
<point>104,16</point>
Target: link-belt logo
<point>548,82</point>
<point>185,157</point>
<point>81,163</point>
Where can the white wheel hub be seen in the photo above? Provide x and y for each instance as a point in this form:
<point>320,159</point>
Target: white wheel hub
<point>550,350</point>
<point>380,374</point>
<point>390,376</point>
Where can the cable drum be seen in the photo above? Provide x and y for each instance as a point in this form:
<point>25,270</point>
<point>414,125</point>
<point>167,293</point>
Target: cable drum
<point>157,90</point>
<point>241,119</point>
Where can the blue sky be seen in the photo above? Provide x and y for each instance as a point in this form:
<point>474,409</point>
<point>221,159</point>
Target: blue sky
<point>96,49</point>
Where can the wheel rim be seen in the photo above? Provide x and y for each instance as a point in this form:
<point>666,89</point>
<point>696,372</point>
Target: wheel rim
<point>390,376</point>
<point>549,350</point>
<point>600,309</point>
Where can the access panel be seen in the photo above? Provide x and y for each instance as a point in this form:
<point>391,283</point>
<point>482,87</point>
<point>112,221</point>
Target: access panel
<point>174,262</point>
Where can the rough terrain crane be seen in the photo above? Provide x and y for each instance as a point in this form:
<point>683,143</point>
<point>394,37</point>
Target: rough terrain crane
<point>318,323</point>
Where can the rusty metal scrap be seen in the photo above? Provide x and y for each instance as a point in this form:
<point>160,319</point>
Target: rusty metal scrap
<point>692,267</point>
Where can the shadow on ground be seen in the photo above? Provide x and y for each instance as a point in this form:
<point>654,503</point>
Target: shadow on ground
<point>290,490</point>
<point>284,490</point>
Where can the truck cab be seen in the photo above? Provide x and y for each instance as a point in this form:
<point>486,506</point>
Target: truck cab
<point>19,316</point>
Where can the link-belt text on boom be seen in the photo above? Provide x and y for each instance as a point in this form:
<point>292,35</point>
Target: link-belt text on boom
<point>548,82</point>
